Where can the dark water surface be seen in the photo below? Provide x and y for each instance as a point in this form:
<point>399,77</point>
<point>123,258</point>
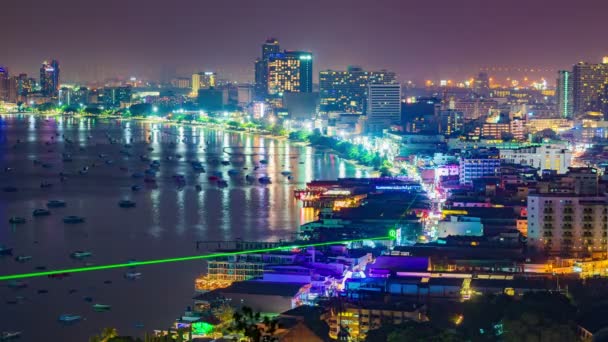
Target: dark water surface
<point>166,222</point>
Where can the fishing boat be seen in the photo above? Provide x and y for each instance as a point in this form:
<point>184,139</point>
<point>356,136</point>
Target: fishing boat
<point>68,318</point>
<point>136,187</point>
<point>23,258</point>
<point>80,254</point>
<point>126,204</point>
<point>222,183</point>
<point>16,220</point>
<point>46,185</point>
<point>10,335</point>
<point>264,180</point>
<point>102,307</point>
<point>233,172</point>
<point>132,275</point>
<point>73,219</point>
<point>41,212</point>
<point>17,284</point>
<point>137,175</point>
<point>59,275</point>
<point>286,173</point>
<point>5,250</point>
<point>55,204</point>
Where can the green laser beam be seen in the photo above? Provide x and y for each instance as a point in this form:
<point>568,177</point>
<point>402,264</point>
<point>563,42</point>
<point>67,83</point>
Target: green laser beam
<point>180,259</point>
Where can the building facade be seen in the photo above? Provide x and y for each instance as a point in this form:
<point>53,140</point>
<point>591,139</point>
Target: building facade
<point>475,167</point>
<point>588,84</point>
<point>544,157</point>
<point>346,91</point>
<point>383,106</point>
<point>49,79</point>
<point>289,71</point>
<point>563,94</point>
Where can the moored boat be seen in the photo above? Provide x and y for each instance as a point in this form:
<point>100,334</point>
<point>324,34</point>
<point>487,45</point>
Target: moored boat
<point>126,204</point>
<point>102,307</point>
<point>73,219</point>
<point>23,258</point>
<point>41,212</point>
<point>55,204</point>
<point>16,220</point>
<point>81,254</point>
<point>69,318</point>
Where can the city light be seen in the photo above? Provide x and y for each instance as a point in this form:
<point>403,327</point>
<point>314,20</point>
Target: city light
<point>180,259</point>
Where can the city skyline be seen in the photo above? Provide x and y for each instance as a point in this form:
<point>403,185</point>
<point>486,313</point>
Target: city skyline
<point>416,40</point>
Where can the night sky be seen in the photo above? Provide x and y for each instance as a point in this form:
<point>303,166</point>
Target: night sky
<point>417,39</point>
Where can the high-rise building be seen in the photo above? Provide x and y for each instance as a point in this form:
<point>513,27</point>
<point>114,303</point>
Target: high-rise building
<point>4,77</point>
<point>24,85</point>
<point>477,166</point>
<point>270,47</point>
<point>567,217</point>
<point>383,106</point>
<point>564,94</point>
<point>49,79</point>
<point>203,80</point>
<point>588,83</point>
<point>244,94</point>
<point>482,85</point>
<point>181,82</point>
<point>346,91</point>
<point>289,71</point>
<point>114,97</point>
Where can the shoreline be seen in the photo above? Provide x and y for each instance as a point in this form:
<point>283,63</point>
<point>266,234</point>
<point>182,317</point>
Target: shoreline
<point>370,169</point>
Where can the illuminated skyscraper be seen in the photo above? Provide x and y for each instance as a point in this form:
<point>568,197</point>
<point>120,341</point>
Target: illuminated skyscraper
<point>271,46</point>
<point>383,106</point>
<point>564,94</point>
<point>588,83</point>
<point>49,79</point>
<point>4,83</point>
<point>346,91</point>
<point>289,71</point>
<point>202,80</point>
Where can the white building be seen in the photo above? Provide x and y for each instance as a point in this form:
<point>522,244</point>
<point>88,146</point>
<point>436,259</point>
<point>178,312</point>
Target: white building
<point>567,224</point>
<point>460,226</point>
<point>544,157</point>
<point>244,94</point>
<point>383,106</point>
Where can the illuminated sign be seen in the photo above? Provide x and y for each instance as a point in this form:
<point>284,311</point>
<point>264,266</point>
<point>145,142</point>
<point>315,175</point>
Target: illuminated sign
<point>305,57</point>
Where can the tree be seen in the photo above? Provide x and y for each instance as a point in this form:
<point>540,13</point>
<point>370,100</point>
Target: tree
<point>107,334</point>
<point>247,322</point>
<point>224,313</point>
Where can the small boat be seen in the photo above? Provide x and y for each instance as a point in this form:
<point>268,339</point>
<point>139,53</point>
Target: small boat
<point>9,189</point>
<point>213,178</point>
<point>126,204</point>
<point>59,275</point>
<point>222,183</point>
<point>137,175</point>
<point>23,258</point>
<point>88,299</point>
<point>67,159</point>
<point>109,162</point>
<point>5,250</point>
<point>179,178</point>
<point>103,155</point>
<point>136,187</point>
<point>80,254</point>
<point>233,172</point>
<point>301,162</point>
<point>132,275</point>
<point>10,335</point>
<point>68,318</point>
<point>264,180</point>
<point>150,180</point>
<point>198,187</point>
<point>263,161</point>
<point>289,177</point>
<point>73,219</point>
<point>46,185</point>
<point>55,204</point>
<point>17,284</point>
<point>47,166</point>
<point>286,173</point>
<point>144,158</point>
<point>72,291</point>
<point>16,220</point>
<point>225,162</point>
<point>41,212</point>
<point>102,307</point>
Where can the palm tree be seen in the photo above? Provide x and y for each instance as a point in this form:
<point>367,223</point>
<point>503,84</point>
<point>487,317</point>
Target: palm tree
<point>108,333</point>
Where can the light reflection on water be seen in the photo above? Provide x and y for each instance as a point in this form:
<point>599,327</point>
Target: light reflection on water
<point>165,223</point>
